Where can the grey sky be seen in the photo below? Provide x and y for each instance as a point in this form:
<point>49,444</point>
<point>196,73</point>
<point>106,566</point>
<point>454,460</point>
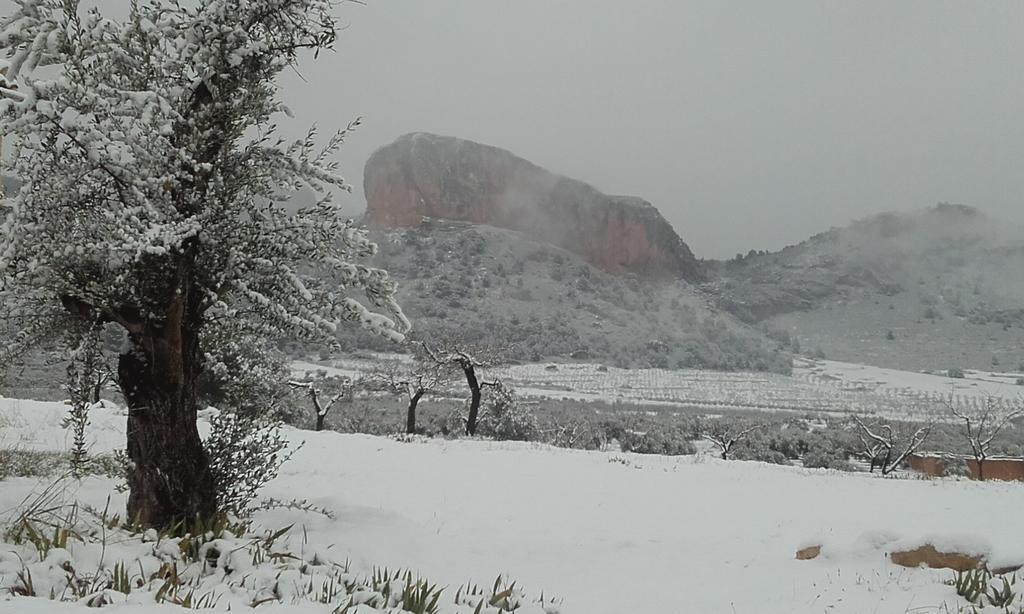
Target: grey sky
<point>749,124</point>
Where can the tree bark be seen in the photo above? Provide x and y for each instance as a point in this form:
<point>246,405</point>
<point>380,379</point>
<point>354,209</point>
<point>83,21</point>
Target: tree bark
<point>474,398</point>
<point>410,418</point>
<point>170,478</point>
<point>320,418</point>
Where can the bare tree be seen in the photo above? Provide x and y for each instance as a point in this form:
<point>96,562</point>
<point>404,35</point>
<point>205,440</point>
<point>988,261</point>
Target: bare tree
<point>413,381</point>
<point>315,391</point>
<point>456,354</point>
<point>886,446</point>
<point>569,434</point>
<point>981,426</point>
<point>725,435</point>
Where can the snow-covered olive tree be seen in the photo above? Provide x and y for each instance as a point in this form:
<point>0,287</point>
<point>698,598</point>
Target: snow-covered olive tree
<point>153,175</point>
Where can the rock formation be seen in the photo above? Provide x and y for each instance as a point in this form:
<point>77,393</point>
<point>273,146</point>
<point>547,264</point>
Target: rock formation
<point>427,176</point>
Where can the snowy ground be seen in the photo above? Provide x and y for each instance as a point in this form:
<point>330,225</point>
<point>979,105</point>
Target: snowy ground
<point>815,386</point>
<point>607,532</point>
<point>852,376</point>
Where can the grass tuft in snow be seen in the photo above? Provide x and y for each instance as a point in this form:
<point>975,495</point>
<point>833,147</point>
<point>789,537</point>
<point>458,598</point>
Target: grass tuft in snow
<point>503,596</point>
<point>20,463</point>
<point>71,553</point>
<point>981,587</point>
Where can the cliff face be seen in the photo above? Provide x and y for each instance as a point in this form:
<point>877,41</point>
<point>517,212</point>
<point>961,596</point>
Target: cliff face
<point>423,175</point>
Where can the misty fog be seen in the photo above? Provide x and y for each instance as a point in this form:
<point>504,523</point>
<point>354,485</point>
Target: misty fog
<point>749,125</point>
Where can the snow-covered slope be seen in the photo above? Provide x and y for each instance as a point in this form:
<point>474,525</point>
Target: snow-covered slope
<point>500,288</point>
<point>612,532</point>
<point>935,289</point>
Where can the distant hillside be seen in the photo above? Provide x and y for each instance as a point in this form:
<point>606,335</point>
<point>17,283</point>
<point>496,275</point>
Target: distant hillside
<point>496,285</point>
<point>936,289</point>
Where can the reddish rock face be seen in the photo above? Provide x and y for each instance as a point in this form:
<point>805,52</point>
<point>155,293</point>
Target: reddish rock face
<point>427,176</point>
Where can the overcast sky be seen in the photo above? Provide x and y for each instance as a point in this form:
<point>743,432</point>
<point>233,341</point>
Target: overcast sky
<point>750,125</point>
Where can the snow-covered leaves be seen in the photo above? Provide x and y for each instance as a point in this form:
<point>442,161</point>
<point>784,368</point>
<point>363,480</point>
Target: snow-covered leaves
<point>152,170</point>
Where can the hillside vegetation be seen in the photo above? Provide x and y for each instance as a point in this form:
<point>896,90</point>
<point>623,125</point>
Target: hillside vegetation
<point>496,287</point>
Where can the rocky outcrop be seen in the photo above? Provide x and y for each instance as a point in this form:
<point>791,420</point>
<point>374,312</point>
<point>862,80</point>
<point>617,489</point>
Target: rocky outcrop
<point>427,176</point>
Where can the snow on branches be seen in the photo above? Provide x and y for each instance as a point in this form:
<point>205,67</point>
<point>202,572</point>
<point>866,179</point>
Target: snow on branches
<point>152,168</point>
<point>887,446</point>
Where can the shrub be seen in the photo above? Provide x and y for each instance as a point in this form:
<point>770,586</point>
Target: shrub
<point>825,457</point>
<point>758,450</point>
<point>245,454</point>
<point>956,373</point>
<point>670,442</point>
<point>504,418</point>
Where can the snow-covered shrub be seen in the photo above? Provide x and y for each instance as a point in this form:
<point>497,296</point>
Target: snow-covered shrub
<point>506,418</point>
<point>245,454</point>
<point>758,449</point>
<point>670,442</point>
<point>827,457</point>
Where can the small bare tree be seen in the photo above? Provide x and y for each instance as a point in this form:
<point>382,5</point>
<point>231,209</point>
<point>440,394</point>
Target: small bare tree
<point>455,354</point>
<point>413,381</point>
<point>322,405</point>
<point>982,425</point>
<point>725,435</point>
<point>886,446</point>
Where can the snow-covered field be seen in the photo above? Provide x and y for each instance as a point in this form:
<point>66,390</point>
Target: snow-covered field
<point>815,386</point>
<point>606,532</point>
<point>974,384</point>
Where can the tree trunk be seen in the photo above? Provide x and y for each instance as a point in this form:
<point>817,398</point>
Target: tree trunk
<point>474,399</point>
<point>320,418</point>
<point>170,478</point>
<point>410,418</point>
<point>981,468</point>
<point>886,465</point>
